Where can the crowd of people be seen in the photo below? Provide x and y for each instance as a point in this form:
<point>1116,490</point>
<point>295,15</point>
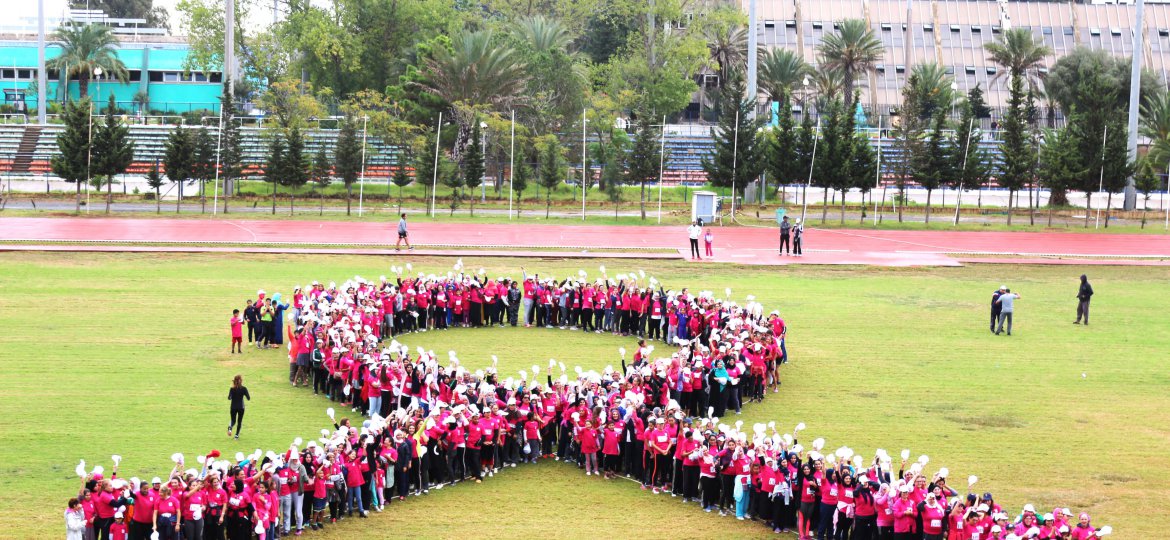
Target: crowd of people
<point>661,419</point>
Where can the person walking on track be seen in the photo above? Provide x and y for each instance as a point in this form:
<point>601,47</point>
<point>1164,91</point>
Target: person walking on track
<point>402,234</point>
<point>1083,297</point>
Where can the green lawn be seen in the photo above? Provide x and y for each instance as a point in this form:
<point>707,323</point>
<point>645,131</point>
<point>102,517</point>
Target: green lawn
<point>124,354</point>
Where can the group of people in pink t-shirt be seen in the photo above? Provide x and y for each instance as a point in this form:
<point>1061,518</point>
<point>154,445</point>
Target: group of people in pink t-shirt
<point>660,419</point>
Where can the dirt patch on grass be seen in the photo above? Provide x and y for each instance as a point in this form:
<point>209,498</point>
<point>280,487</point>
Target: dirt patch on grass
<point>986,421</point>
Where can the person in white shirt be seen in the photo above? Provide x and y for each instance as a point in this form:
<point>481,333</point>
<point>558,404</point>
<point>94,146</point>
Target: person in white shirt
<point>695,231</point>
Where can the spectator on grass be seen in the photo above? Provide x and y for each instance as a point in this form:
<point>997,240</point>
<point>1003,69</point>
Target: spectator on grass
<point>1084,295</point>
<point>75,522</point>
<point>693,232</point>
<point>996,306</point>
<point>1007,307</point>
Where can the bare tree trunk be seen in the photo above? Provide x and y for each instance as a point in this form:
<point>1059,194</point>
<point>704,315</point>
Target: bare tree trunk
<point>157,201</point>
<point>928,194</point>
<point>109,192</point>
<point>825,206</point>
<point>1108,208</point>
<point>274,198</point>
<point>1009,215</point>
<point>1088,207</point>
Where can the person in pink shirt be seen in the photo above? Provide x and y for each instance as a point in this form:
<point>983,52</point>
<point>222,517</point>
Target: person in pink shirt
<point>587,438</point>
<point>237,326</point>
<point>166,512</point>
<point>1084,529</point>
<point>905,512</point>
<point>933,518</point>
<point>193,506</point>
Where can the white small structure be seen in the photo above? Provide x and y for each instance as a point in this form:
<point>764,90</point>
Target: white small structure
<point>704,206</point>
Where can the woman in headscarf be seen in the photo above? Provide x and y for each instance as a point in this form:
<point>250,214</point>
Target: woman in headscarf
<point>717,381</point>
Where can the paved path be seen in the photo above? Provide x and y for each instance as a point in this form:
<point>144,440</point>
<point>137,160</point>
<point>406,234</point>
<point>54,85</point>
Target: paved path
<point>743,245</point>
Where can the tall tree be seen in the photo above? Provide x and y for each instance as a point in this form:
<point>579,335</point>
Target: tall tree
<point>231,153</point>
<point>319,175</point>
<point>738,155</point>
<point>806,143</point>
<point>1060,163</point>
<point>1118,167</point>
<point>854,50</point>
<point>1146,182</point>
<point>1020,54</point>
<point>156,16</point>
<point>552,168</point>
<point>862,170</point>
<point>1016,150</point>
<point>781,71</point>
<point>112,148</point>
<point>977,104</point>
<point>908,134</point>
<point>521,176</point>
<point>275,167</point>
<point>832,165</point>
<point>155,180</point>
<point>347,159</point>
<point>935,168</point>
<point>203,165</point>
<point>451,177</point>
<point>933,86</point>
<point>473,167</point>
<point>71,163</point>
<point>783,162</point>
<point>296,166</point>
<point>401,177</point>
<point>179,160</point>
<point>645,156</point>
<point>969,162</point>
<point>1096,115</point>
<point>84,49</point>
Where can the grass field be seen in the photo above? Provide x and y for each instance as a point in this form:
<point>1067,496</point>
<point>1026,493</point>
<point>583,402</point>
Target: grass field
<point>123,354</point>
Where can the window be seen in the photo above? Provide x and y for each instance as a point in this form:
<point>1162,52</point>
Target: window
<point>1164,32</point>
<point>1094,31</point>
<point>817,25</point>
<point>199,77</point>
<point>950,70</point>
<point>790,23</point>
<point>1047,30</point>
<point>710,81</point>
<point>880,68</point>
<point>899,69</point>
<point>170,77</point>
<point>769,24</point>
<point>135,76</point>
<point>1115,31</point>
<point>8,73</point>
<point>928,28</point>
<point>996,29</point>
<point>886,27</point>
<point>991,70</point>
<point>1068,30</point>
<point>976,29</point>
<point>955,28</point>
<point>836,25</point>
<point>970,70</point>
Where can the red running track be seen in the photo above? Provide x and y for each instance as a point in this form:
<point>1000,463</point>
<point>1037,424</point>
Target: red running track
<point>745,245</point>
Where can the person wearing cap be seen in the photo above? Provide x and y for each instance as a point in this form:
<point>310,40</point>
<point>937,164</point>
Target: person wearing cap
<point>1007,302</point>
<point>798,238</point>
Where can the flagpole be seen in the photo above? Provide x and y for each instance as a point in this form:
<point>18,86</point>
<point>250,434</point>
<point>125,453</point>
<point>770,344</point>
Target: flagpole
<point>734,158</point>
<point>877,175</point>
<point>362,185</point>
<point>812,163</point>
<point>435,178</point>
<point>966,150</point>
<point>1101,186</point>
<point>661,164</point>
<point>511,163</point>
<point>583,163</point>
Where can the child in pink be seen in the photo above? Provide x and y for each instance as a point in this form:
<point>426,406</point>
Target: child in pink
<point>237,325</point>
<point>709,240</point>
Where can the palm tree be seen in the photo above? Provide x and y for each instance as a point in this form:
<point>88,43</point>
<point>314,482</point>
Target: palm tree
<point>781,70</point>
<point>829,84</point>
<point>85,47</point>
<point>727,49</point>
<point>543,33</point>
<point>853,49</point>
<point>934,84</point>
<point>476,70</point>
<point>1019,53</point>
<point>1155,124</point>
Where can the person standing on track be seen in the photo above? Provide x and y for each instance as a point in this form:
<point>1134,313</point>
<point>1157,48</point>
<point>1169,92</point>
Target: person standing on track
<point>797,239</point>
<point>995,306</point>
<point>402,234</point>
<point>785,236</point>
<point>1083,296</point>
<point>1007,301</point>
<point>236,395</point>
<point>694,232</point>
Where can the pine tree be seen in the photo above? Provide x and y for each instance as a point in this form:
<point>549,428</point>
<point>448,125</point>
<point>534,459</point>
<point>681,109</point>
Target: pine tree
<point>934,169</point>
<point>274,169</point>
<point>645,156</point>
<point>552,170</point>
<point>401,177</point>
<point>806,144</point>
<point>976,103</point>
<point>521,177</point>
<point>203,165</point>
<point>1016,151</point>
<point>451,177</point>
<point>155,180</point>
<point>1060,163</point>
<point>968,161</point>
<point>907,134</point>
<point>862,169</point>
<point>783,163</point>
<point>612,173</point>
<point>231,158</point>
<point>319,175</point>
<point>830,166</point>
<point>473,167</point>
<point>347,159</point>
<point>738,156</point>
<point>1146,182</point>
<point>113,150</point>
<point>179,160</point>
<point>296,166</point>
<point>1118,167</point>
<point>71,163</point>
<point>840,152</point>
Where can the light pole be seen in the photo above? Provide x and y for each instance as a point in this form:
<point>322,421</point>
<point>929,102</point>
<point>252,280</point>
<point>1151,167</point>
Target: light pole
<point>483,153</point>
<point>97,74</point>
<point>362,184</point>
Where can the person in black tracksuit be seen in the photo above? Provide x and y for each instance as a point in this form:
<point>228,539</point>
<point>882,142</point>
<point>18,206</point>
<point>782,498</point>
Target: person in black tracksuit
<point>995,307</point>
<point>1083,296</point>
<point>252,317</point>
<point>785,236</point>
<point>237,394</point>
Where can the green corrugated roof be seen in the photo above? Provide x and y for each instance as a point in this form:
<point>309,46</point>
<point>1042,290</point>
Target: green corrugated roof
<point>162,58</point>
